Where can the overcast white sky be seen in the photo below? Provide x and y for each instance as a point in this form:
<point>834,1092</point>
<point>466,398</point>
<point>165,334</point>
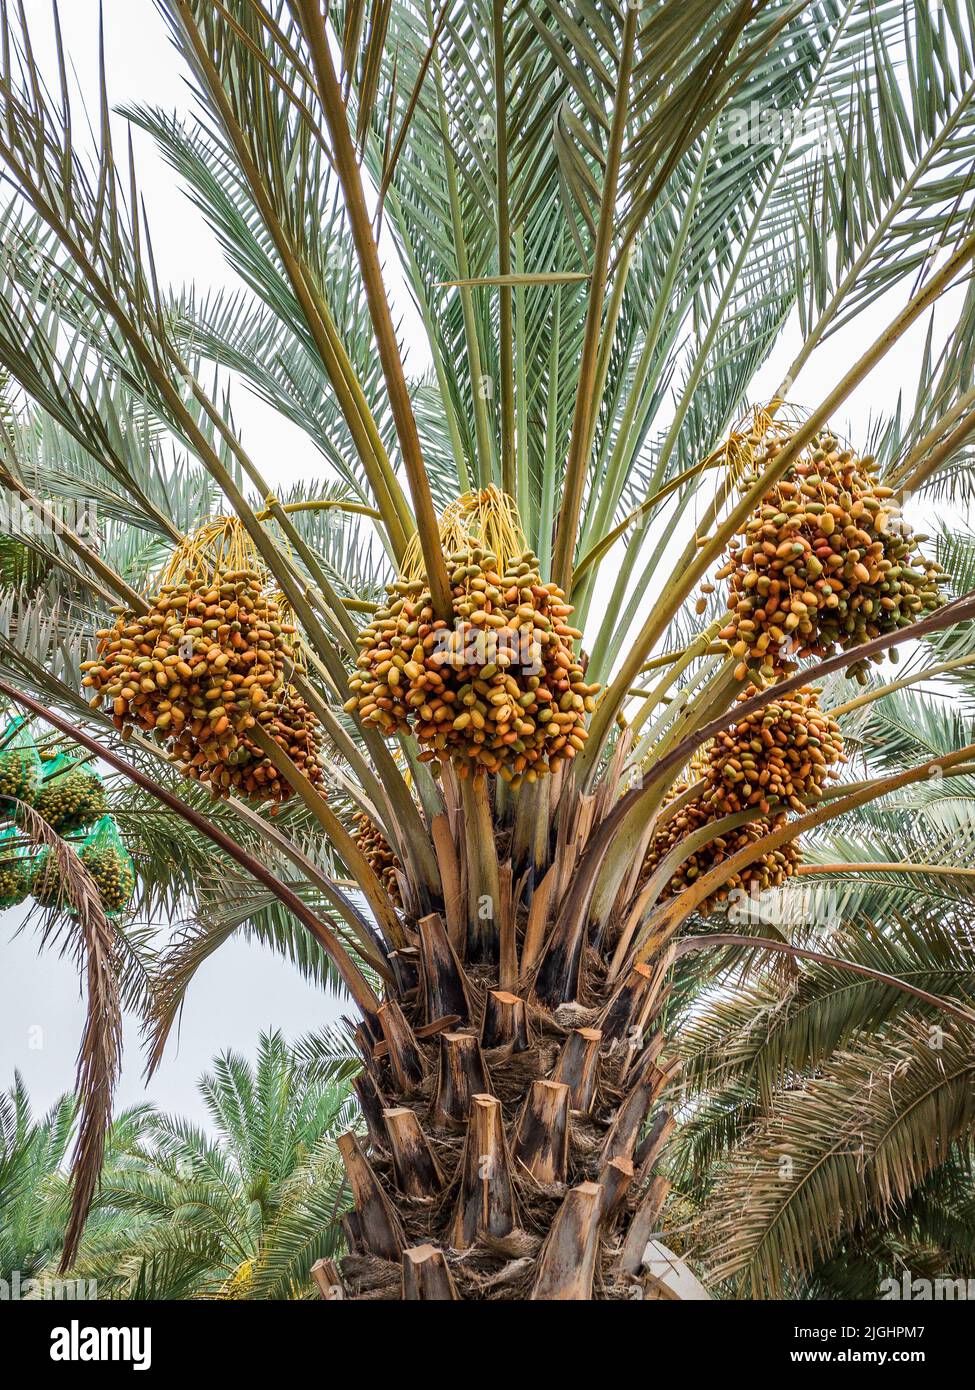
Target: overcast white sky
<point>245,989</point>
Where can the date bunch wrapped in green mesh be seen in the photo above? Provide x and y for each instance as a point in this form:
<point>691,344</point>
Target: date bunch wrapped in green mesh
<point>72,796</point>
<point>104,854</point>
<point>20,765</point>
<point>15,868</point>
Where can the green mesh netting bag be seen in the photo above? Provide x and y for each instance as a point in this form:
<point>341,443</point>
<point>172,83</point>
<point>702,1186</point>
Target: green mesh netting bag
<point>71,797</point>
<point>16,868</point>
<point>45,883</point>
<point>104,855</point>
<point>20,765</point>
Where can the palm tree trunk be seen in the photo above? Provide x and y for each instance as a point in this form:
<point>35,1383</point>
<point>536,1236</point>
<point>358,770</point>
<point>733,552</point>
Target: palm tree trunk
<point>507,1161</point>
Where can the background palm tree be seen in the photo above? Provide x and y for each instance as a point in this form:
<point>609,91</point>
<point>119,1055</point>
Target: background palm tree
<point>601,261</point>
<point>35,1191</point>
<point>241,1211</point>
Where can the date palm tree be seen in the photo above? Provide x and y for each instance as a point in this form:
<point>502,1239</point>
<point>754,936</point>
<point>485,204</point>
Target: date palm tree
<point>36,1191</point>
<point>242,1211</point>
<point>606,219</point>
<point>239,1212</point>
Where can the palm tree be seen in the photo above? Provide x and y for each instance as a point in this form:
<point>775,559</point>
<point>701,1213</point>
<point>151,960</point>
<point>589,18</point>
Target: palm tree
<point>602,251</point>
<point>241,1212</point>
<point>826,1141</point>
<point>35,1191</point>
<point>30,1154</point>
